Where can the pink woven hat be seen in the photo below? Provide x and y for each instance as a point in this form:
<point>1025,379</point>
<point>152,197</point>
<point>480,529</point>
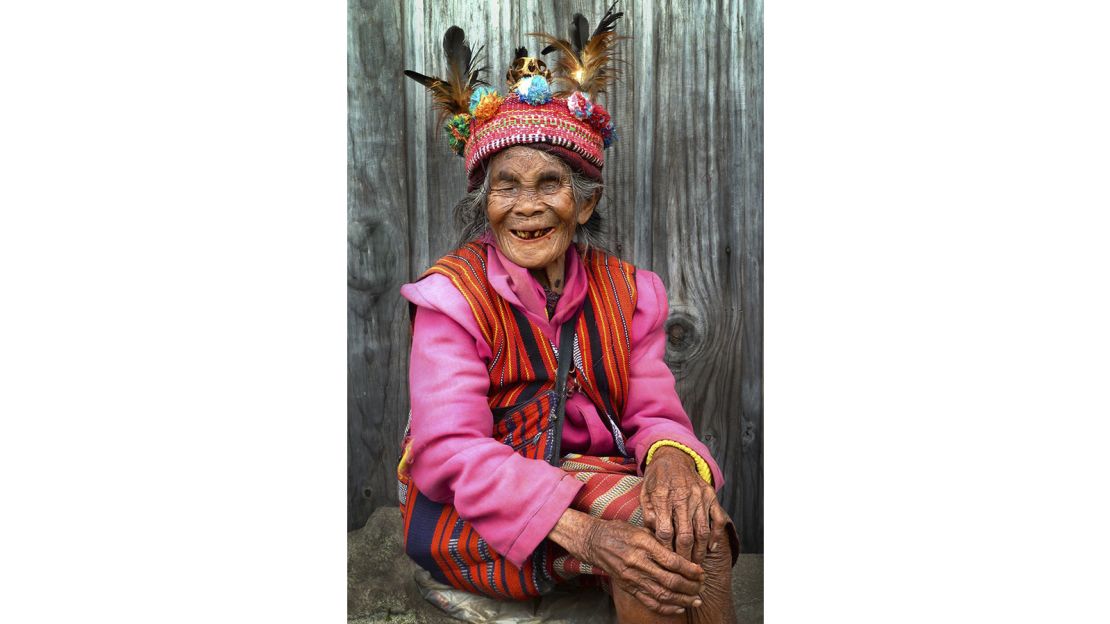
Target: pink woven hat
<point>552,110</point>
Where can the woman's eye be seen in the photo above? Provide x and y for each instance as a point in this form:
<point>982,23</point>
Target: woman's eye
<point>549,187</point>
<point>508,190</point>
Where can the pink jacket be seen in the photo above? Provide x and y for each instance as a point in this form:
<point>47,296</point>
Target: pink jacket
<point>514,502</point>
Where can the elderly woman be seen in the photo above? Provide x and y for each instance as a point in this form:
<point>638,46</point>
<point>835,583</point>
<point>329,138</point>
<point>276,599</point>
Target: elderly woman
<point>546,440</point>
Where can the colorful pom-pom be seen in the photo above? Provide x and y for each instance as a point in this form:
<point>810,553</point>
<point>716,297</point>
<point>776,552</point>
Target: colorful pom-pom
<point>458,132</point>
<point>533,90</point>
<point>580,105</point>
<point>477,94</point>
<point>486,107</point>
<point>599,117</point>
<point>608,135</point>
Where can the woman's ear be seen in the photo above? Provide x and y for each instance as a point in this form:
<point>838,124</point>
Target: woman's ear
<point>587,209</point>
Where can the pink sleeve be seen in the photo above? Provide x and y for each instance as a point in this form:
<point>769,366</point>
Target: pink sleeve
<point>653,411</point>
<point>513,502</point>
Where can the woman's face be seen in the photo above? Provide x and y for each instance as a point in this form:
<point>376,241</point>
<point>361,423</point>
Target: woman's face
<point>531,206</point>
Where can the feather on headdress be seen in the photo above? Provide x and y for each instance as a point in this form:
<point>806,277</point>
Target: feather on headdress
<point>585,63</point>
<point>480,122</point>
<point>452,96</point>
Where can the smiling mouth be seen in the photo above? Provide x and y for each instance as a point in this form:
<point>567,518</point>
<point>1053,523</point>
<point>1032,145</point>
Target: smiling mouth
<point>532,234</point>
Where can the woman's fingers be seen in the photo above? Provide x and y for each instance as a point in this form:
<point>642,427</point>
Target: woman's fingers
<point>644,574</point>
<point>701,530</point>
<point>648,510</point>
<point>660,595</point>
<point>663,587</point>
<point>677,584</point>
<point>645,597</point>
<point>717,515</point>
<point>674,563</point>
<point>683,530</point>
<point>664,529</point>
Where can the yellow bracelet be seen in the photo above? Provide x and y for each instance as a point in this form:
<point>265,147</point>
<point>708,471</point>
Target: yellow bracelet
<point>703,468</point>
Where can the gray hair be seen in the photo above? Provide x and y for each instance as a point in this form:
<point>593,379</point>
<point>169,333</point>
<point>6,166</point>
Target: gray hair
<point>472,221</point>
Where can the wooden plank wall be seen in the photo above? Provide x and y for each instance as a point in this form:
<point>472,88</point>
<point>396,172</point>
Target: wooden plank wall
<point>684,198</point>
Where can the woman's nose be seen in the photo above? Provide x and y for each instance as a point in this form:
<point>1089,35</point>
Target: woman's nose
<point>528,206</point>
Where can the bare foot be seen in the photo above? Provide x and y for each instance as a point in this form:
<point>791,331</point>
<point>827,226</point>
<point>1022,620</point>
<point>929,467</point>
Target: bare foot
<point>716,593</point>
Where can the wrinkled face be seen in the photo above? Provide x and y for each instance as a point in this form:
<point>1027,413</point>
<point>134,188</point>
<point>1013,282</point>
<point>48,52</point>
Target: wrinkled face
<point>531,206</point>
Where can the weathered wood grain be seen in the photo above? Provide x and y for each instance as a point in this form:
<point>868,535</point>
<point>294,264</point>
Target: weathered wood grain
<point>377,261</point>
<point>701,243</point>
<point>683,198</point>
<point>751,276</point>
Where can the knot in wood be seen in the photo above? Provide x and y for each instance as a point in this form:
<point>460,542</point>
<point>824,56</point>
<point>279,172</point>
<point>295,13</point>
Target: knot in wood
<point>677,333</point>
<point>709,439</point>
<point>685,334</point>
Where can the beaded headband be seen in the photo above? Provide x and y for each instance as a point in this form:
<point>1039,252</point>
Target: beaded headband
<point>565,121</point>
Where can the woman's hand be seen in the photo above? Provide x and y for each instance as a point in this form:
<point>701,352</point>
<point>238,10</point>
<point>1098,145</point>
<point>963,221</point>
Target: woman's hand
<point>680,506</point>
<point>634,560</point>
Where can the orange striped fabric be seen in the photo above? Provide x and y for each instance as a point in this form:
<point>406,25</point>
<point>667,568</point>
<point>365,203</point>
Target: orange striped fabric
<point>523,362</point>
<point>448,547</point>
<point>522,374</point>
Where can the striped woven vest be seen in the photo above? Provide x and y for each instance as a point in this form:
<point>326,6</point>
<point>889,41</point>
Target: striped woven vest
<point>523,365</point>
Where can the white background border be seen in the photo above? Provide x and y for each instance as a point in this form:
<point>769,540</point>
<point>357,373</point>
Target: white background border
<point>173,348</point>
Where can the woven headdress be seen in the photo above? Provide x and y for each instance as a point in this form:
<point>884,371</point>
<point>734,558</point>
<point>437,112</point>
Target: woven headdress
<point>551,109</point>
